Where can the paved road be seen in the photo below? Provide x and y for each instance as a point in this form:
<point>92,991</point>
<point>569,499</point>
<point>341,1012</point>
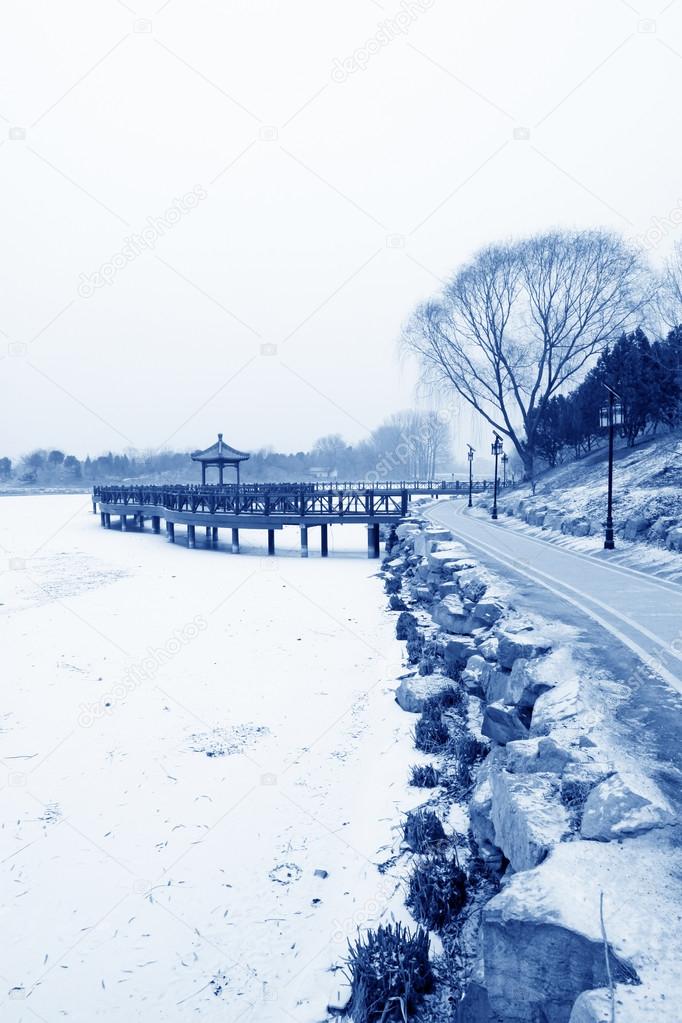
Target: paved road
<point>643,612</point>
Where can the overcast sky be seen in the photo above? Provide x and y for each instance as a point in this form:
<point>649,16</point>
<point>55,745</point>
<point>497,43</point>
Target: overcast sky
<point>302,174</point>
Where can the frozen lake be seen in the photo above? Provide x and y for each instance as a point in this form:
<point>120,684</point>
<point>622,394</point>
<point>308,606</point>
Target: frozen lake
<point>186,737</point>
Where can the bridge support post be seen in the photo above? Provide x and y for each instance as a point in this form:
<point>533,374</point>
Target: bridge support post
<point>304,541</point>
<point>373,541</point>
<point>140,521</point>
<point>94,507</point>
<point>271,542</point>
<point>170,530</point>
<point>156,523</point>
<point>208,536</point>
<point>124,523</point>
<point>191,536</point>
<point>235,541</point>
<point>214,534</point>
<point>324,540</point>
<point>107,520</point>
<point>103,519</point>
<point>404,503</point>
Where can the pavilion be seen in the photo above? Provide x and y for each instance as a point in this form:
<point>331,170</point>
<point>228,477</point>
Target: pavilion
<point>219,454</point>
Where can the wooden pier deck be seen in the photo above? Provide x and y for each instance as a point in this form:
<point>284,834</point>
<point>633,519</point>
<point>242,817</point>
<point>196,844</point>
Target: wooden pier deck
<point>267,507</point>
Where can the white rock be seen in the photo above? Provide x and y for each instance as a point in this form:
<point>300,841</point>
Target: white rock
<point>618,807</point>
<point>528,816</point>
<point>451,615</point>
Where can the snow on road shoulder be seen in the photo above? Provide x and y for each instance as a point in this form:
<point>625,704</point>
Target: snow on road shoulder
<point>203,765</point>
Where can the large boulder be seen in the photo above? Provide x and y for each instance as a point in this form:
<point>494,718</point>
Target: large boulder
<point>635,526</point>
<point>474,675</point>
<point>540,755</point>
<point>452,616</point>
<point>531,678</point>
<point>443,553</point>
<point>619,807</point>
<point>415,689</point>
<point>662,525</point>
<point>542,938</point>
<point>561,707</point>
<point>503,724</point>
<point>488,610</point>
<point>488,647</point>
<point>673,539</point>
<point>473,582</point>
<point>424,543</point>
<point>528,816</point>
<point>456,653</point>
<point>524,640</point>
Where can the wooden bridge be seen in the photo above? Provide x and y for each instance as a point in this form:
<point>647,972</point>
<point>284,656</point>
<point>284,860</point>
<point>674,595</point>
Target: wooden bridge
<point>268,506</point>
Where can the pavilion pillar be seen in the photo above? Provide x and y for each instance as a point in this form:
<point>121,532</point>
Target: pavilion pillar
<point>304,541</point>
<point>324,540</point>
<point>191,535</point>
<point>102,519</point>
<point>215,534</point>
<point>124,523</point>
<point>220,473</point>
<point>170,531</point>
<point>271,541</point>
<point>235,539</point>
<point>156,523</point>
<point>203,474</point>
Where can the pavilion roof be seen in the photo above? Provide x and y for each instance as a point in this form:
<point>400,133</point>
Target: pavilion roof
<point>219,452</point>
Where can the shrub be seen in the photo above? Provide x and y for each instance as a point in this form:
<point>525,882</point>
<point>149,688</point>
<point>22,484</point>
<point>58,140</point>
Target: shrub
<point>431,734</point>
<point>449,698</point>
<point>389,972</point>
<point>437,891</point>
<point>574,795</point>
<point>422,830</point>
<point>405,626</point>
<point>424,776</point>
<point>415,645</point>
<point>464,751</point>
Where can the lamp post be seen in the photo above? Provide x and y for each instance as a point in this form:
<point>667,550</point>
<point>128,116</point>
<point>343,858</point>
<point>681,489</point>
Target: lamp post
<point>470,456</point>
<point>505,459</point>
<point>610,415</point>
<point>496,450</point>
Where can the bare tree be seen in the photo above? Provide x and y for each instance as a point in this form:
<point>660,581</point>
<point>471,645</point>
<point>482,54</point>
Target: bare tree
<point>520,320</point>
<point>670,298</point>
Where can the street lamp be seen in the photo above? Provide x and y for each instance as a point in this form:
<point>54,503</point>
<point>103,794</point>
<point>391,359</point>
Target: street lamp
<point>505,459</point>
<point>470,456</point>
<point>496,450</point>
<point>609,416</point>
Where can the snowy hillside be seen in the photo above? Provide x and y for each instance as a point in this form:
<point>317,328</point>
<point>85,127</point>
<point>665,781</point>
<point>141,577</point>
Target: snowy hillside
<point>647,494</point>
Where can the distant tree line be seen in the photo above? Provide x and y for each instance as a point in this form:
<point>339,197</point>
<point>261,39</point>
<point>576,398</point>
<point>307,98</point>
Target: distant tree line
<point>646,375</point>
<point>408,445</point>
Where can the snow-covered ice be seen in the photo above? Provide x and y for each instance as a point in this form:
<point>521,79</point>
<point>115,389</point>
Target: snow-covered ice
<point>186,738</point>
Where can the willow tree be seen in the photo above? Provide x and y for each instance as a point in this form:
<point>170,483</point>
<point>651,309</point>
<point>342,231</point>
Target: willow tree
<point>520,320</point>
